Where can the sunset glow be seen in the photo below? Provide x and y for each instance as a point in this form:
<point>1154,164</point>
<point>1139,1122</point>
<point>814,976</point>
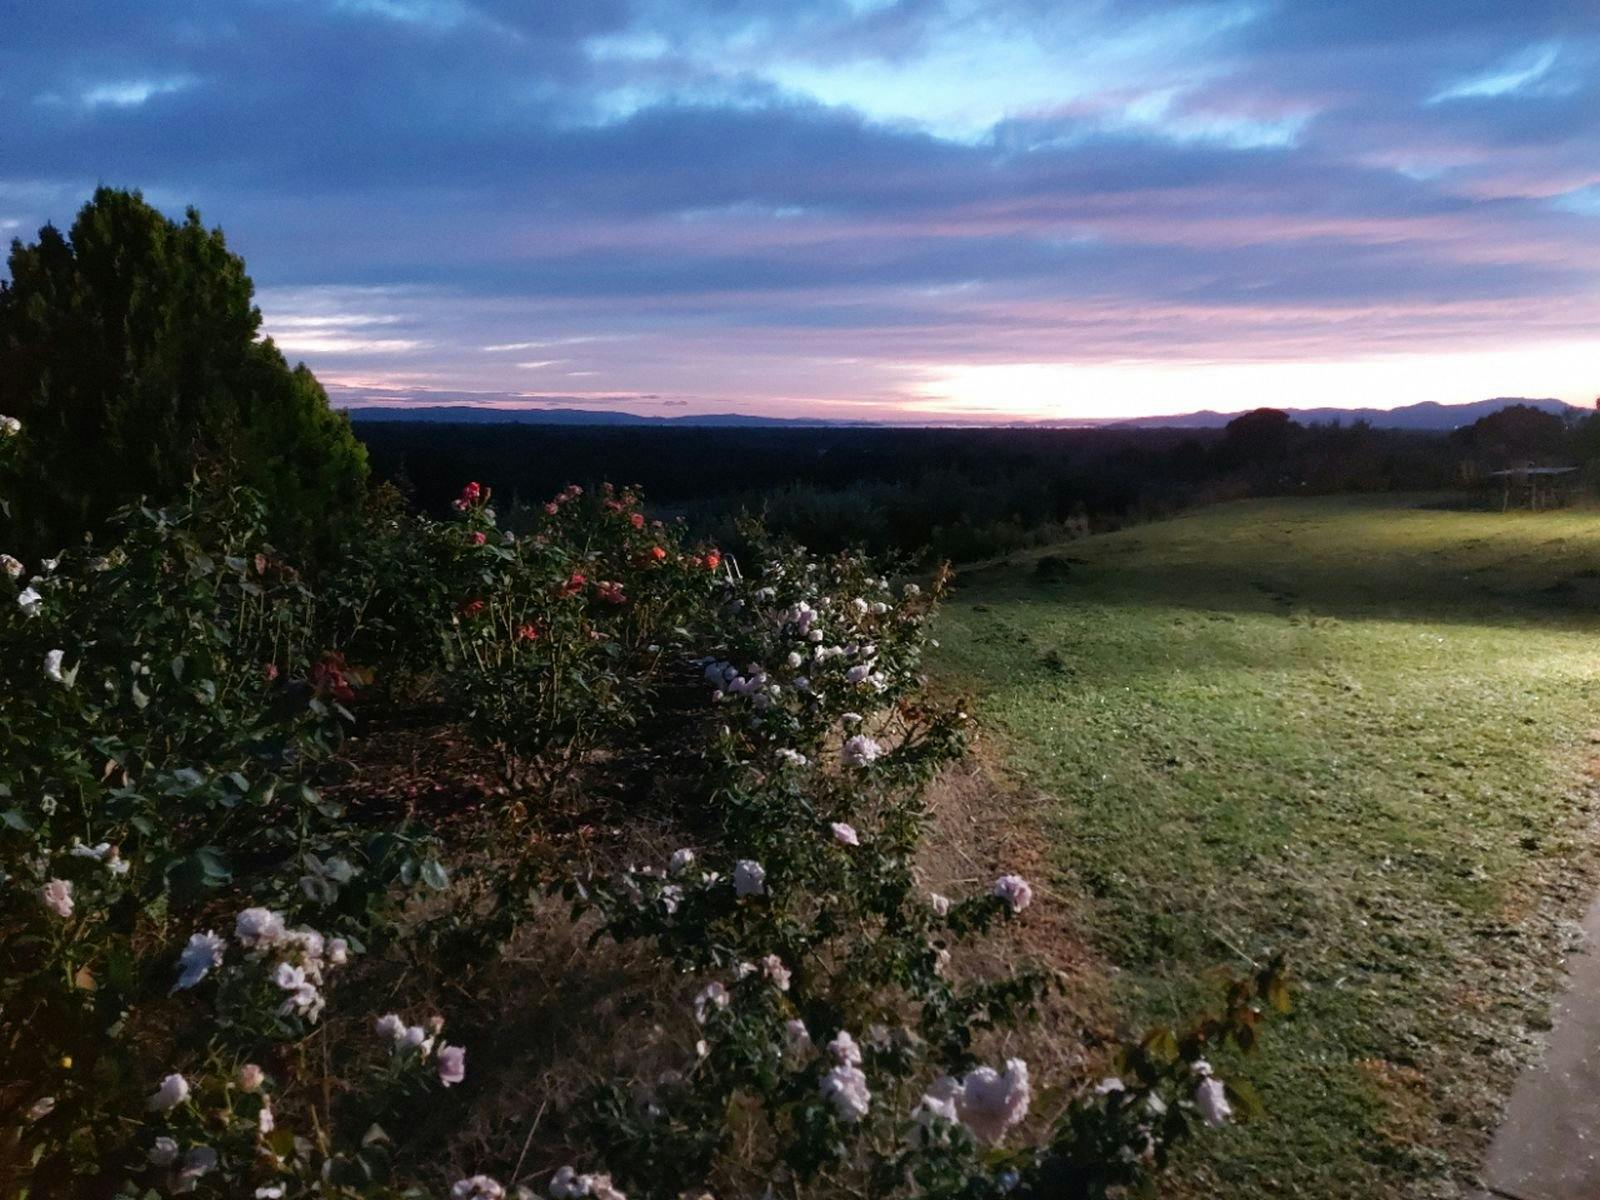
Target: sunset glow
<point>1033,391</point>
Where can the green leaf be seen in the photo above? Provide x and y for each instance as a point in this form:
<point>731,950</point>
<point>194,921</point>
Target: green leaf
<point>434,874</point>
<point>282,1142</point>
<point>1246,1095</point>
<point>339,870</point>
<point>213,865</point>
<point>1278,995</point>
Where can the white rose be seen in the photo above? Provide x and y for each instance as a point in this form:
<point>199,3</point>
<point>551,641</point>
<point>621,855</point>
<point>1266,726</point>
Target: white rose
<point>796,1038</point>
<point>860,750</point>
<point>1014,890</point>
<point>712,996</point>
<point>844,1050</point>
<point>164,1153</point>
<point>258,927</point>
<point>749,879</point>
<point>772,966</point>
<point>1211,1097</point>
<point>991,1102</point>
<point>174,1090</point>
<point>57,897</point>
<point>479,1187</point>
<point>845,1087</point>
<point>202,954</point>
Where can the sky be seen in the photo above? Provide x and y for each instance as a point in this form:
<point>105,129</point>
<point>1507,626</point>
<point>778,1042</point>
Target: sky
<point>914,210</point>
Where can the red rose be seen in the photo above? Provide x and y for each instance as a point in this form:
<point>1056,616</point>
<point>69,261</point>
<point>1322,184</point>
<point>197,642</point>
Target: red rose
<point>328,678</point>
<point>472,608</point>
<point>713,561</point>
<point>637,520</point>
<point>477,537</point>
<point>528,632</point>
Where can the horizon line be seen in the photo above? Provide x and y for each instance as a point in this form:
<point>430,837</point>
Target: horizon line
<point>449,400</point>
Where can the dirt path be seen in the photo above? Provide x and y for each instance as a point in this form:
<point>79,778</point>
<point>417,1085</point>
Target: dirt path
<point>981,828</point>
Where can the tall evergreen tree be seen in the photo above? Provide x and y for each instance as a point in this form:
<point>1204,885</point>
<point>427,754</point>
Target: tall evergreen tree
<point>129,349</point>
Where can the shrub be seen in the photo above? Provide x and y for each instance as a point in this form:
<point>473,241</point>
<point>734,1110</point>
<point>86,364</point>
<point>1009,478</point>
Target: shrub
<point>128,349</point>
<point>155,781</point>
<point>214,979</point>
<point>828,1002</point>
<point>557,636</point>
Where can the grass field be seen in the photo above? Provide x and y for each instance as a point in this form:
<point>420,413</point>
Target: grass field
<point>1359,731</point>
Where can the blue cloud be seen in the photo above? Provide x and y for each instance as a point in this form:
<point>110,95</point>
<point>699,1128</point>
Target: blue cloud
<point>1518,75</point>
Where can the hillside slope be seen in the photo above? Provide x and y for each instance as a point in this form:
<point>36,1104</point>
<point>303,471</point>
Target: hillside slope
<point>1355,730</point>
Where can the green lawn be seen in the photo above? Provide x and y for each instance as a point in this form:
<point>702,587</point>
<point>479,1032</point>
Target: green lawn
<point>1355,730</point>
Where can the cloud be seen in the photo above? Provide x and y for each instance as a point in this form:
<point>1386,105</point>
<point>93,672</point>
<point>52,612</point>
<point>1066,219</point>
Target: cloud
<point>132,92</point>
<point>1585,201</point>
<point>774,203</point>
<point>1511,77</point>
<point>332,322</point>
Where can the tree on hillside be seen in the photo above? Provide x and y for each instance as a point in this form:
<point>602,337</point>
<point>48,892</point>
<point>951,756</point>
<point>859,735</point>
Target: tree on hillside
<point>1515,435</point>
<point>1261,436</point>
<point>129,350</point>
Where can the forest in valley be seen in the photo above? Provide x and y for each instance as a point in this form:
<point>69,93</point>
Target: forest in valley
<point>972,493</point>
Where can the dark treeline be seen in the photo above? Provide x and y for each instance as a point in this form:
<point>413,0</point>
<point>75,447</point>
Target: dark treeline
<point>959,493</point>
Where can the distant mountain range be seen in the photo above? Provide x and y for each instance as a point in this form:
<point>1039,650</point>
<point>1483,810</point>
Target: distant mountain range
<point>465,414</point>
<point>1428,416</point>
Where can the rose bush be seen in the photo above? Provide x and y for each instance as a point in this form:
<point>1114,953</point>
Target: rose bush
<point>169,707</point>
<point>832,1004</point>
<point>214,979</point>
<point>559,634</point>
